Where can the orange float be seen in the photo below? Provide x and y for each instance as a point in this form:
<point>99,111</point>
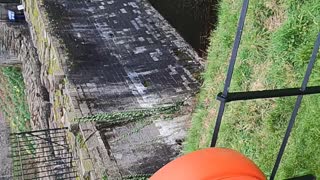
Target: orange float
<point>210,164</point>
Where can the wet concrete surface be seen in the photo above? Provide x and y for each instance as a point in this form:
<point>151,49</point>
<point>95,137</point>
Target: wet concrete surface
<point>123,55</point>
<point>143,147</point>
<point>5,161</point>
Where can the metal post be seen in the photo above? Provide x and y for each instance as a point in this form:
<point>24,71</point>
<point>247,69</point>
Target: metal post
<point>230,71</point>
<point>296,108</point>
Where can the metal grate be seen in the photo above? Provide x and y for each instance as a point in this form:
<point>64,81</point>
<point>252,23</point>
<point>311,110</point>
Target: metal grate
<point>42,154</point>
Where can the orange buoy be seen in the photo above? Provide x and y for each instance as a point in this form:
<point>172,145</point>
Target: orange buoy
<point>210,164</point>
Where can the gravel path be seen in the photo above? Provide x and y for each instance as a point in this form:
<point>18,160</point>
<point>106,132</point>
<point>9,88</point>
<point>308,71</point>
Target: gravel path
<point>5,162</point>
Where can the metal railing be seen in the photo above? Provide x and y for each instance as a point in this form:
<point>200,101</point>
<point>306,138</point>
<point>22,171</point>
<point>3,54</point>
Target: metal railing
<point>226,96</point>
<point>42,154</point>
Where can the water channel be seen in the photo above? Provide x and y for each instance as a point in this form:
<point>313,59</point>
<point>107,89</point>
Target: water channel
<point>194,19</point>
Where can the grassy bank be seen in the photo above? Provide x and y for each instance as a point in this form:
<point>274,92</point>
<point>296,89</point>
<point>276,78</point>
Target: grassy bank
<point>276,46</point>
<point>13,99</point>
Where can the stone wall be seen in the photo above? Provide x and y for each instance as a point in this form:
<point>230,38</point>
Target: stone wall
<point>6,162</point>
<point>52,56</point>
<point>8,59</point>
<point>15,40</point>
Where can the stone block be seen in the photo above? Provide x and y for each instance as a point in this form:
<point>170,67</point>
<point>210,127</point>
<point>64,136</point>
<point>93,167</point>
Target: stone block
<point>73,127</point>
<point>86,167</point>
<point>83,153</point>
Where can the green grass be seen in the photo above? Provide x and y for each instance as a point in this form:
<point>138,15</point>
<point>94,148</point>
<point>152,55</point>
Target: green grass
<point>276,46</point>
<point>104,177</point>
<point>13,99</point>
<point>14,106</point>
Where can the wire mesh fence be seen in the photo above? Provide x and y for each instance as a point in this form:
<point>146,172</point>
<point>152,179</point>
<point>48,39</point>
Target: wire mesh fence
<point>42,154</point>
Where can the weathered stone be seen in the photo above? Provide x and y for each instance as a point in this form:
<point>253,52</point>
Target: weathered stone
<point>144,147</point>
<point>138,77</point>
<point>99,155</point>
<point>73,127</point>
<point>9,60</point>
<point>86,167</point>
<point>6,162</point>
<point>16,40</point>
<point>102,58</point>
<point>83,153</point>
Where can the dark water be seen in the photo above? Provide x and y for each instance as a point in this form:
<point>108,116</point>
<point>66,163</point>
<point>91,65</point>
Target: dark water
<point>194,19</point>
